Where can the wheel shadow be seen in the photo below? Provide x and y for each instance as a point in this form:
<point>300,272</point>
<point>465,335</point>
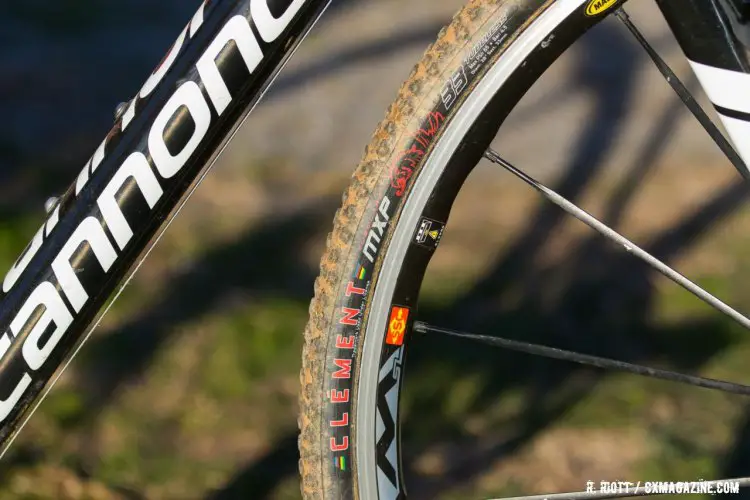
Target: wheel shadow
<point>260,478</point>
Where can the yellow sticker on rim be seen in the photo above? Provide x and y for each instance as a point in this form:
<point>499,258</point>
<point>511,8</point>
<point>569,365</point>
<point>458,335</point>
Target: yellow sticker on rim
<point>596,7</point>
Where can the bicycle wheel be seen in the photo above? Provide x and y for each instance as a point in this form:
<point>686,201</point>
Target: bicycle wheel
<point>391,222</point>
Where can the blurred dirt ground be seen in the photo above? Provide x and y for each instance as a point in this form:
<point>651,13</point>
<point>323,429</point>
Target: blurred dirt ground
<point>188,390</point>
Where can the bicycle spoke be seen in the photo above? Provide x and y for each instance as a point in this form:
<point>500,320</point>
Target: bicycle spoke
<point>587,359</point>
<point>613,235</point>
<point>634,491</point>
<point>687,97</point>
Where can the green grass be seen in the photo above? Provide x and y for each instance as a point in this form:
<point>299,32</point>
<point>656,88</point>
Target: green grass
<point>257,342</point>
<point>15,233</point>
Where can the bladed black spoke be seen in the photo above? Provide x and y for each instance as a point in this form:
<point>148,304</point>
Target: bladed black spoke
<point>589,360</point>
<point>687,97</point>
<point>613,235</point>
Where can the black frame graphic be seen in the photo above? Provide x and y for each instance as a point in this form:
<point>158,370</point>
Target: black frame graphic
<point>163,140</point>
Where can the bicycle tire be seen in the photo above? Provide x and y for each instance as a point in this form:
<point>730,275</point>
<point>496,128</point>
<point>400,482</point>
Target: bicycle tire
<point>445,116</point>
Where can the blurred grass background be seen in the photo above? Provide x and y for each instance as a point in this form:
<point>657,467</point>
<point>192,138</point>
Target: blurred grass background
<point>188,389</point>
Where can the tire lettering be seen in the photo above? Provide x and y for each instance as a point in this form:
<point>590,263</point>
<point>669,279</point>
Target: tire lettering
<point>350,289</point>
<point>347,343</point>
<point>340,447</point>
<point>349,316</point>
<point>373,237</point>
<point>345,368</point>
<point>343,422</point>
<point>339,396</point>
